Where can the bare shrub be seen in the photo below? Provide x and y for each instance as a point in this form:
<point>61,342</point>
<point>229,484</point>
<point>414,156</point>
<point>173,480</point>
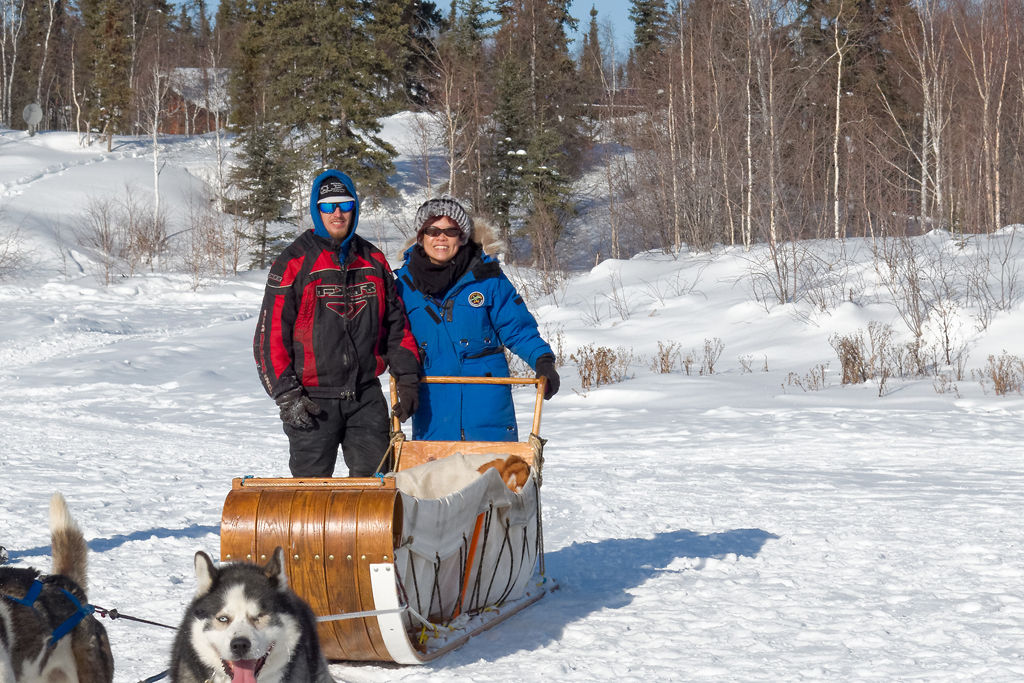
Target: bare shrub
<point>688,360</point>
<point>823,275</point>
<point>913,359</point>
<point>657,290</point>
<point>677,284</point>
<point>768,278</point>
<point>1004,372</point>
<point>12,248</point>
<point>960,364</point>
<point>556,340</point>
<point>993,275</point>
<point>900,268</point>
<point>878,357</point>
<point>96,227</point>
<point>591,312</point>
<point>745,363</point>
<point>712,352</point>
<point>862,359</point>
<point>144,236</point>
<point>668,357</point>
<point>619,300</point>
<point>600,365</point>
<point>851,352</point>
<point>813,380</point>
<point>201,243</point>
<point>944,384</point>
<point>121,232</point>
<point>62,248</point>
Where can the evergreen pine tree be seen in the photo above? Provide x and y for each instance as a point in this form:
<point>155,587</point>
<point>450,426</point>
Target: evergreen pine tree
<point>591,64</point>
<point>324,85</point>
<point>264,179</point>
<point>202,27</point>
<point>423,20</point>
<point>650,21</point>
<point>109,50</point>
<point>510,135</point>
<point>388,34</point>
<point>537,112</point>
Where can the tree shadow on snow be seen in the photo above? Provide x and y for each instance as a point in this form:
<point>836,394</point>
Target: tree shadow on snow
<point>102,545</point>
<point>600,575</point>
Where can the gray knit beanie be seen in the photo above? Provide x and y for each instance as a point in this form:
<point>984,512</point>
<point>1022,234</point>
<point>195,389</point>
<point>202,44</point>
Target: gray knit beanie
<point>445,205</point>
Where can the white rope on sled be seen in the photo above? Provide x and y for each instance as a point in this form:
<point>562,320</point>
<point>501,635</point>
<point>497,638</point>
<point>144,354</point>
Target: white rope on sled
<point>375,613</point>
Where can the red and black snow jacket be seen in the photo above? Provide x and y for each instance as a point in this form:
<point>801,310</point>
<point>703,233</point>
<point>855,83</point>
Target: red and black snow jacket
<point>331,327</point>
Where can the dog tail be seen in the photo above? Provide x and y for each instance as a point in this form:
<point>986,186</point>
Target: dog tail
<point>70,553</point>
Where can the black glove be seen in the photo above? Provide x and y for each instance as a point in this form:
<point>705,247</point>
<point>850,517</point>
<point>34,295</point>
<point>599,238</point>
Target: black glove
<point>296,408</point>
<point>408,400</point>
<point>546,368</point>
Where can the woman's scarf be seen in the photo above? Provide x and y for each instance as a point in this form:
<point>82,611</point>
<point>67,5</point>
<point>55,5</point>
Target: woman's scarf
<point>436,279</point>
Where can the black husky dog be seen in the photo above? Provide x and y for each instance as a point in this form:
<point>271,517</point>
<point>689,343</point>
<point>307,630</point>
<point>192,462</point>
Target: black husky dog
<point>246,626</point>
<point>47,630</point>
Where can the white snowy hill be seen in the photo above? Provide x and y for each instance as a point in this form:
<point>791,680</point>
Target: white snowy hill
<point>761,522</point>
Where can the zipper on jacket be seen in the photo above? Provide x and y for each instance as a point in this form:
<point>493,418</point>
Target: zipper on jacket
<point>448,306</point>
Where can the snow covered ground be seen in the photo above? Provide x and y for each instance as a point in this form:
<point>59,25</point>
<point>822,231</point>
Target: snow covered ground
<point>721,527</point>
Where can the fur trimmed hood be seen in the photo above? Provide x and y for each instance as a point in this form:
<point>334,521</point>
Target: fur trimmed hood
<point>482,232</point>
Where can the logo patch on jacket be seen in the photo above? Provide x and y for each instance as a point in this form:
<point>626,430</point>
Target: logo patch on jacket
<point>476,299</point>
<point>358,296</point>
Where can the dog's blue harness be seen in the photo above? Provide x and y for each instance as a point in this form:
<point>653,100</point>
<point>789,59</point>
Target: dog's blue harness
<point>81,611</point>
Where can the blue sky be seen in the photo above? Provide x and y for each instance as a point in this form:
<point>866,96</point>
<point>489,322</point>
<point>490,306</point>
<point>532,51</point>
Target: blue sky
<point>617,11</point>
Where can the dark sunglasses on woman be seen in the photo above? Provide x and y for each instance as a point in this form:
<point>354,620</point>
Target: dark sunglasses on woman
<point>329,207</point>
<point>434,231</point>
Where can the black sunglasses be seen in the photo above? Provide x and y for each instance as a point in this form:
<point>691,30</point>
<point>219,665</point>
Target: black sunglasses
<point>434,231</point>
<point>329,207</point>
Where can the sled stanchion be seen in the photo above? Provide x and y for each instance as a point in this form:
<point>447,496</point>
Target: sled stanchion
<point>471,555</point>
<point>542,383</point>
<point>396,425</point>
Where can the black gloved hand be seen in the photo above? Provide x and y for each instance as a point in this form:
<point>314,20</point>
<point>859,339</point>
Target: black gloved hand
<point>408,399</point>
<point>546,368</point>
<point>296,408</point>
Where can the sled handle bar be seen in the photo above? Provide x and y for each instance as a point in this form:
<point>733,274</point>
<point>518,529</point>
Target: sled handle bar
<point>540,382</point>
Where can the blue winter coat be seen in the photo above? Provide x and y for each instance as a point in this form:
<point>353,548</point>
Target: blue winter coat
<point>465,335</point>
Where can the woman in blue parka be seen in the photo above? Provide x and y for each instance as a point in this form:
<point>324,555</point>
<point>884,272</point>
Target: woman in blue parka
<point>464,312</point>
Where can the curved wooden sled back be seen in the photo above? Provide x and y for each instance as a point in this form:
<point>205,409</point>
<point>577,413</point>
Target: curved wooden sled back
<point>331,530</point>
<point>412,453</point>
<point>339,537</point>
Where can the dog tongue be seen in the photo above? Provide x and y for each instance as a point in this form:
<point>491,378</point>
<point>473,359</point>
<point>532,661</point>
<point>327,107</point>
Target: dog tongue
<point>244,670</point>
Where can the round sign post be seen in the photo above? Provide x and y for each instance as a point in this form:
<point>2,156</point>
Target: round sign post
<point>32,114</point>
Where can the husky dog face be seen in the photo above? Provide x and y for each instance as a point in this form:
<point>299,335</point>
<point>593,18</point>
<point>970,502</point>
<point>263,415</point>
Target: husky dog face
<point>239,627</point>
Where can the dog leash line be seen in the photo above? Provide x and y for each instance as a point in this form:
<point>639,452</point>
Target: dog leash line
<point>113,614</point>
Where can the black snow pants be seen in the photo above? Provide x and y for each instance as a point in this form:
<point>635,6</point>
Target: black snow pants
<point>360,426</point>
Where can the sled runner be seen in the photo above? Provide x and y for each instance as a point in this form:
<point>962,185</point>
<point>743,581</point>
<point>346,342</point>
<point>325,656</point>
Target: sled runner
<point>408,566</point>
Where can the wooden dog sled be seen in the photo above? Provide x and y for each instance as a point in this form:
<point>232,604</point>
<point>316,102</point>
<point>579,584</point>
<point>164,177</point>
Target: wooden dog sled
<point>395,571</point>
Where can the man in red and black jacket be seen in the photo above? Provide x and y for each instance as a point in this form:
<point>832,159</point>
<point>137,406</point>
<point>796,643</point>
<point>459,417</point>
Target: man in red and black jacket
<point>331,322</point>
